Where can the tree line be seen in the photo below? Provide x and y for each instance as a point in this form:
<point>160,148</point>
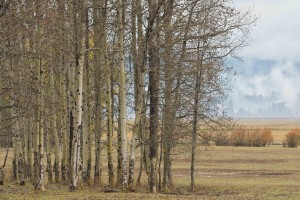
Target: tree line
<point>74,72</point>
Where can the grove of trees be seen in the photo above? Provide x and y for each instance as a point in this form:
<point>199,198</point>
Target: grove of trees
<point>81,77</point>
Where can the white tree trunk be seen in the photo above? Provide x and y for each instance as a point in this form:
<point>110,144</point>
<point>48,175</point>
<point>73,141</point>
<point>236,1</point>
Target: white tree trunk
<point>120,13</point>
<point>54,128</point>
<point>79,102</point>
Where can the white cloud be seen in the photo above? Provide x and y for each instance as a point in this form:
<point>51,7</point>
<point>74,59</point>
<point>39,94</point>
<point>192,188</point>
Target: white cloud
<point>282,79</point>
<point>276,36</point>
<point>271,70</point>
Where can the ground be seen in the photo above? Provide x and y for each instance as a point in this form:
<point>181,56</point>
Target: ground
<point>271,172</point>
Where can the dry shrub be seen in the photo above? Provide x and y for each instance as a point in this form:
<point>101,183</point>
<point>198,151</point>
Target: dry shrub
<point>251,137</point>
<point>292,138</point>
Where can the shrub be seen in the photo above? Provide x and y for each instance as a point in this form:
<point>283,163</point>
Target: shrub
<point>266,136</point>
<point>251,137</point>
<point>292,138</point>
<point>238,137</point>
<point>221,139</point>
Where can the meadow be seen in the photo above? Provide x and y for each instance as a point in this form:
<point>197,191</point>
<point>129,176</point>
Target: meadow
<point>271,172</point>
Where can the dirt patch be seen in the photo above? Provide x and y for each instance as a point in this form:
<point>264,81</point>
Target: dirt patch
<point>264,161</point>
<point>247,161</point>
<point>244,173</point>
<point>233,173</point>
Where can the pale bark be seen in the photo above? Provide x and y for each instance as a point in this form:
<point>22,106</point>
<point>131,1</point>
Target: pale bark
<point>99,15</point>
<point>86,135</point>
<point>139,95</point>
<point>123,133</point>
<point>48,149</point>
<point>111,175</point>
<point>36,148</point>
<point>141,57</point>
<point>63,91</point>
<point>53,127</point>
<point>40,181</point>
<point>30,144</point>
<point>79,102</point>
<point>109,107</point>
<point>25,147</point>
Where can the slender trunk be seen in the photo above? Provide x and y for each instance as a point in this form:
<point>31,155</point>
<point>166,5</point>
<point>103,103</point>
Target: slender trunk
<point>169,113</point>
<point>98,135</point>
<point>144,158</point>
<point>2,172</point>
<point>53,126</point>
<point>25,147</point>
<point>79,103</point>
<point>194,134</point>
<point>99,15</point>
<point>139,95</point>
<point>36,148</point>
<point>48,149</point>
<point>63,91</point>
<point>86,136</point>
<point>199,71</point>
<point>122,118</point>
<point>109,105</point>
<point>141,57</point>
<point>64,111</point>
<point>30,144</point>
<point>153,91</point>
<point>40,182</point>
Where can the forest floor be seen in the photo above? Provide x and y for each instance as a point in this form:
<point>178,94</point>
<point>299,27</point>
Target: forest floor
<point>232,173</point>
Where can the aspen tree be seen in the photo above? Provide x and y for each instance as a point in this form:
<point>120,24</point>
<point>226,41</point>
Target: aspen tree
<point>53,126</point>
<point>79,103</point>
<point>141,58</point>
<point>109,107</point>
<point>153,89</point>
<point>139,77</point>
<point>48,148</point>
<point>86,135</point>
<point>168,112</point>
<point>40,181</point>
<point>63,91</point>
<point>98,93</point>
<point>122,117</point>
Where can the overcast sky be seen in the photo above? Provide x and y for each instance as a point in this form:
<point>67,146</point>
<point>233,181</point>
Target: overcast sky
<point>270,71</point>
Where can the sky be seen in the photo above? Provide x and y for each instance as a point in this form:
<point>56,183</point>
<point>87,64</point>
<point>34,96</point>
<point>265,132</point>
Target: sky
<point>269,73</point>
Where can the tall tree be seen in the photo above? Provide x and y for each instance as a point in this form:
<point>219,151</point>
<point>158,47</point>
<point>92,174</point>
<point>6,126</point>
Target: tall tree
<point>79,90</point>
<point>121,62</point>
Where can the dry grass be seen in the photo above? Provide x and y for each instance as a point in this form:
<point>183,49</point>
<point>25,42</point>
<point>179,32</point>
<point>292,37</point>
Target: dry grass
<point>280,127</point>
<point>221,173</point>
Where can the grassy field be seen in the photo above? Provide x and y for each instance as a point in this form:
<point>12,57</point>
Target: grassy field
<point>234,173</point>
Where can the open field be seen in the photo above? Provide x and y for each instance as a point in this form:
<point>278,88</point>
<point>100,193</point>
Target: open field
<point>222,173</point>
<point>280,126</point>
<point>231,173</point>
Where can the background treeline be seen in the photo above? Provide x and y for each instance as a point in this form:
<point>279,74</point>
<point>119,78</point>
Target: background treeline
<point>72,73</point>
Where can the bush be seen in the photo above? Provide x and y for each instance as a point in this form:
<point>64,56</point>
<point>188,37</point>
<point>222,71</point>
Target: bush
<point>266,136</point>
<point>251,137</point>
<point>292,138</point>
<point>221,139</point>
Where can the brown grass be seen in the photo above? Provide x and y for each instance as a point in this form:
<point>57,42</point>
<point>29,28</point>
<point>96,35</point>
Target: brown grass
<point>221,173</point>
